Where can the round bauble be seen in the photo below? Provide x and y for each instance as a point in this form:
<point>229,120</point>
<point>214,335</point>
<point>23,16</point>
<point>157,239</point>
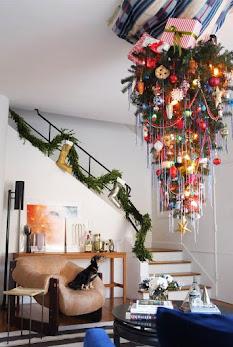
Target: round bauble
<point>213,81</point>
<point>187,113</point>
<point>158,172</point>
<point>217,161</point>
<point>173,78</point>
<point>202,125</point>
<point>173,171</point>
<point>180,124</point>
<point>158,146</point>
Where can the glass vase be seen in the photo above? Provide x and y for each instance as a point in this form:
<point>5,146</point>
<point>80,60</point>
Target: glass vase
<point>159,296</point>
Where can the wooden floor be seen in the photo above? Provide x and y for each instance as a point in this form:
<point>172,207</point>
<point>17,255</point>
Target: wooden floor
<point>64,320</point>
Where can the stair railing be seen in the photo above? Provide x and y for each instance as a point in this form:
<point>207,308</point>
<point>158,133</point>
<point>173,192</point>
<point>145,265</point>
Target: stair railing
<point>90,157</point>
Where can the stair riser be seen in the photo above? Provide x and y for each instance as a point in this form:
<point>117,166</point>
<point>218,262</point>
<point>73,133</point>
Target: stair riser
<point>186,280</point>
<point>167,256</point>
<point>169,268</point>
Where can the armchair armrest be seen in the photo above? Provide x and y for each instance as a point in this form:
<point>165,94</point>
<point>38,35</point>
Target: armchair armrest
<point>31,279</point>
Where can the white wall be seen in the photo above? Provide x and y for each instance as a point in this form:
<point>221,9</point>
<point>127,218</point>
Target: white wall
<point>46,183</point>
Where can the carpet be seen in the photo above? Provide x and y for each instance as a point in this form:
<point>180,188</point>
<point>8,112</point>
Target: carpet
<point>67,336</point>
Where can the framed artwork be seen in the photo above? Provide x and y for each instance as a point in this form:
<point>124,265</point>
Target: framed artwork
<point>49,221</point>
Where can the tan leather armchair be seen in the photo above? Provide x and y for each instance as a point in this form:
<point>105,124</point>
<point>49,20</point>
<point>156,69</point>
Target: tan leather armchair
<point>36,272</point>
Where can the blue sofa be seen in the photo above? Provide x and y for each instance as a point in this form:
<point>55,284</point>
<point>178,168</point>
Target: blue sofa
<point>179,329</point>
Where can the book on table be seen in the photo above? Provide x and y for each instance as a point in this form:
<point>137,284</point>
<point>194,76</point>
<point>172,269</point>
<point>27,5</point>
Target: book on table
<point>205,309</point>
<point>146,312</point>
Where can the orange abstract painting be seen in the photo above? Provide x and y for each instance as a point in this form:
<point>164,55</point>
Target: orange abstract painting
<point>50,221</point>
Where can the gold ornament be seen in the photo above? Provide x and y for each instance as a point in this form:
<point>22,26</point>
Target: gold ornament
<point>183,226</point>
<point>161,72</point>
<point>224,133</point>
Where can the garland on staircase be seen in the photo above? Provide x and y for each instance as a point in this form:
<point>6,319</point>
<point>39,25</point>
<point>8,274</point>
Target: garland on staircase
<point>97,184</point>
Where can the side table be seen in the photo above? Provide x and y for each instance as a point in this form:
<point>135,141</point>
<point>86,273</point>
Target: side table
<point>31,292</point>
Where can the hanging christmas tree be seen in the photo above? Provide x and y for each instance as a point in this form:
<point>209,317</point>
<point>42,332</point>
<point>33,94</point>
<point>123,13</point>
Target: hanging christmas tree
<point>181,96</point>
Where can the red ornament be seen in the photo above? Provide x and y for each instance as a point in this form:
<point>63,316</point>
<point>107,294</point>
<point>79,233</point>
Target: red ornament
<point>202,125</point>
<point>151,62</point>
<point>180,124</point>
<point>217,161</point>
<point>173,171</point>
<point>173,78</point>
<point>214,81</point>
<point>158,172</point>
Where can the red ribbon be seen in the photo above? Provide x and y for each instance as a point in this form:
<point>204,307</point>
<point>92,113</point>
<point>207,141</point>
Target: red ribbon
<point>154,46</point>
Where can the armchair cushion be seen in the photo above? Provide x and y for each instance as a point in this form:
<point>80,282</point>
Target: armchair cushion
<point>35,272</point>
<point>195,329</point>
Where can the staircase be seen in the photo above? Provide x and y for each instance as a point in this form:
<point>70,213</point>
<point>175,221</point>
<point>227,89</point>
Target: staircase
<point>170,261</point>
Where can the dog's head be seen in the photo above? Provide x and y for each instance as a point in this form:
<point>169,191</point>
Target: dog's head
<point>96,260</point>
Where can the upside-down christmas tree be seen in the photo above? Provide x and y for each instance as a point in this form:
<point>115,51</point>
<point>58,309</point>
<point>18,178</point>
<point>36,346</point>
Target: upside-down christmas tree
<point>181,94</point>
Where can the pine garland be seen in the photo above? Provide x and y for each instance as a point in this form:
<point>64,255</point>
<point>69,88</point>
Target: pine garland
<point>97,184</point>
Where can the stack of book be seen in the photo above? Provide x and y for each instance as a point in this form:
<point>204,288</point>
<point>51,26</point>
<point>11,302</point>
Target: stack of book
<point>146,309</point>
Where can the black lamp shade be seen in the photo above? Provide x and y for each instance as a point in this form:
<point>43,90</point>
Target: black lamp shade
<point>19,195</point>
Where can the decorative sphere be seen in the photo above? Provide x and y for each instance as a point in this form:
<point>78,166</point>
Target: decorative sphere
<point>173,78</point>
<point>180,124</point>
<point>213,81</point>
<point>203,108</point>
<point>217,161</point>
<point>147,77</point>
<point>144,106</point>
<point>187,113</point>
<point>158,145</point>
<point>202,125</point>
<point>158,172</point>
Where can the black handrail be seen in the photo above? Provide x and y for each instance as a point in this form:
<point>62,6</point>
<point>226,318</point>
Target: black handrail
<point>128,189</point>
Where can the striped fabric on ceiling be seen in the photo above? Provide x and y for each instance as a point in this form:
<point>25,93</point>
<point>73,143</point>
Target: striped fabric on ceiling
<point>138,16</point>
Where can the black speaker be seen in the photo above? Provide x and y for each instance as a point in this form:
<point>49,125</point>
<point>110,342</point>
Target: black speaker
<point>19,195</point>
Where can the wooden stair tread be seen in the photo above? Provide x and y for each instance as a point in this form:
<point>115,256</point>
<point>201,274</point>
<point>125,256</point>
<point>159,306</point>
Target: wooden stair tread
<point>169,262</point>
<point>181,274</point>
<point>163,250</point>
<point>183,288</point>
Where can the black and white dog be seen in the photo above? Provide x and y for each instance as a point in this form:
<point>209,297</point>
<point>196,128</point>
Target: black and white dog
<point>83,281</point>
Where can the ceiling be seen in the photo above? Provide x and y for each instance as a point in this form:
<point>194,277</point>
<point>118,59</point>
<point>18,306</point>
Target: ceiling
<point>60,56</point>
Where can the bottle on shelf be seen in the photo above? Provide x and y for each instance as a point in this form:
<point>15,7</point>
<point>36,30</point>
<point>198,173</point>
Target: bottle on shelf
<point>88,244</point>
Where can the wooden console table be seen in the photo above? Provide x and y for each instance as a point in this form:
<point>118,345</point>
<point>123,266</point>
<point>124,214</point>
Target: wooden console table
<point>86,255</point>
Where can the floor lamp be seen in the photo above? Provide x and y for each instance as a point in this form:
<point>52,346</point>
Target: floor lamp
<point>18,196</point>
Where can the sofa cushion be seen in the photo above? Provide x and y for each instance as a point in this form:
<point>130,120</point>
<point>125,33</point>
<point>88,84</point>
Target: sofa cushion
<point>179,329</point>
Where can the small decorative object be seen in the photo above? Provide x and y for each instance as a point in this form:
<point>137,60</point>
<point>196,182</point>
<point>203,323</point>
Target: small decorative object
<point>158,286</point>
<point>140,87</point>
<point>224,133</point>
<point>217,161</point>
<point>183,226</point>
<point>181,32</point>
<point>98,244</point>
<point>213,81</point>
<point>218,97</point>
<point>146,41</point>
<point>38,243</point>
<point>173,78</point>
<point>177,94</point>
<point>110,245</point>
<point>192,67</point>
<point>169,110</point>
<point>27,232</point>
<point>62,157</point>
<point>88,244</point>
<point>161,72</point>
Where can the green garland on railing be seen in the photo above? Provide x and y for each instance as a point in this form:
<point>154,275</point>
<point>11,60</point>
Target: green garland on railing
<point>97,184</point>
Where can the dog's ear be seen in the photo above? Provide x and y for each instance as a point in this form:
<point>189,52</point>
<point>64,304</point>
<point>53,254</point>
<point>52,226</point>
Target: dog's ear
<point>92,259</point>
